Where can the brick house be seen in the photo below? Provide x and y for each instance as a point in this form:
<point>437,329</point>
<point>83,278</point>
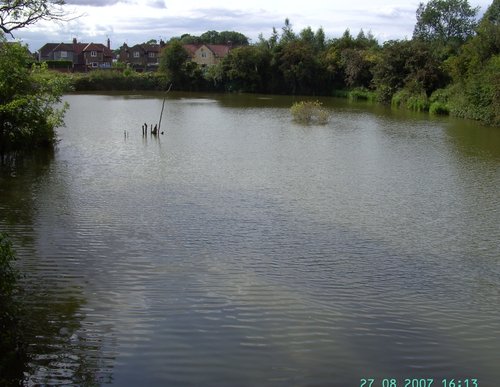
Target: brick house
<point>83,56</point>
<point>141,57</point>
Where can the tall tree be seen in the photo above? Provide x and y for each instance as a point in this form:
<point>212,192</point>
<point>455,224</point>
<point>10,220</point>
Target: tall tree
<point>172,60</point>
<point>16,14</point>
<point>445,21</point>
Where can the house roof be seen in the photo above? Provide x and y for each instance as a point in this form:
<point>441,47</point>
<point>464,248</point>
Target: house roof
<point>145,47</point>
<point>95,47</point>
<point>191,48</point>
<point>219,50</point>
<point>77,48</point>
<point>47,48</point>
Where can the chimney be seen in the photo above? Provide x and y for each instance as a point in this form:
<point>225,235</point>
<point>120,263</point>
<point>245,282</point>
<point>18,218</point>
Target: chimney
<point>74,41</point>
<point>109,44</point>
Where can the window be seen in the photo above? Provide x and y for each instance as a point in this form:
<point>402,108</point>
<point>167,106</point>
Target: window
<point>64,54</point>
<point>95,65</point>
<point>137,54</point>
<point>152,55</point>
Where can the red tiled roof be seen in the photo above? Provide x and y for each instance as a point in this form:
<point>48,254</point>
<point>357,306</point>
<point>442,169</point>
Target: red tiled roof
<point>77,48</point>
<point>191,48</point>
<point>220,50</point>
<point>95,47</point>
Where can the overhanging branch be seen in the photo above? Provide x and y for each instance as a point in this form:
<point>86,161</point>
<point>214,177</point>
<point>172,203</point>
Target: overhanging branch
<point>17,14</point>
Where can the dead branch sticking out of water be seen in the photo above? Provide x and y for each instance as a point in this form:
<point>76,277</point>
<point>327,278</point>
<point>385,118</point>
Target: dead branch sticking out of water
<point>156,130</point>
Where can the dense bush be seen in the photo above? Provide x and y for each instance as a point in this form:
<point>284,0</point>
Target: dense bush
<point>60,64</point>
<point>477,97</point>
<point>361,94</point>
<point>108,80</point>
<point>29,96</point>
<point>310,112</point>
<point>404,98</point>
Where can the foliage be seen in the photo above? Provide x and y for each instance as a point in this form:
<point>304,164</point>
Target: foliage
<point>19,14</point>
<point>28,96</point>
<point>445,21</point>
<point>478,96</point>
<point>361,94</point>
<point>300,68</point>
<point>106,80</point>
<point>172,60</point>
<point>445,25</point>
<point>391,71</point>
<point>410,100</point>
<point>475,70</point>
<point>357,66</point>
<point>245,69</point>
<point>59,64</point>
<point>439,102</point>
<point>310,112</point>
<point>214,37</point>
<point>410,65</point>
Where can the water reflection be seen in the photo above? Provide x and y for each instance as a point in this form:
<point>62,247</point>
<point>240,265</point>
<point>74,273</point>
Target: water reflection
<point>471,139</point>
<point>56,345</point>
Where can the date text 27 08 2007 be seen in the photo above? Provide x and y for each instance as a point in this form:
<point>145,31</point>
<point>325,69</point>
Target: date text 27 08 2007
<point>418,382</point>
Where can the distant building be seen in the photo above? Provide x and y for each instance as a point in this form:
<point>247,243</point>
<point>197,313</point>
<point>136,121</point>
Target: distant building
<point>207,54</point>
<point>83,56</point>
<point>146,56</point>
<point>141,57</point>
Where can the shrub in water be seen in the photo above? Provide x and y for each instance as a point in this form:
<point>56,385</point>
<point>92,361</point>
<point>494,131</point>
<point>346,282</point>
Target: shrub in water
<point>439,108</point>
<point>308,112</point>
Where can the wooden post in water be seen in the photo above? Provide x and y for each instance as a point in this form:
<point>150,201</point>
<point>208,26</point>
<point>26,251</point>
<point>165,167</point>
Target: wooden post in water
<point>163,107</point>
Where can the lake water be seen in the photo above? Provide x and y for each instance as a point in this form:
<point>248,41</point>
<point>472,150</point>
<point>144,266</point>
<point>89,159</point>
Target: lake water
<point>243,249</point>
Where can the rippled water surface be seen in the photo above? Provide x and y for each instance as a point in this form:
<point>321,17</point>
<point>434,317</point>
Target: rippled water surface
<point>242,249</point>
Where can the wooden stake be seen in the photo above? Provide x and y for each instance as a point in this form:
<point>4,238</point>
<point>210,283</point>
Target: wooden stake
<point>163,107</point>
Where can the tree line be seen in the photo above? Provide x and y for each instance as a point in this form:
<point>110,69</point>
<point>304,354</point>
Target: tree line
<point>451,65</point>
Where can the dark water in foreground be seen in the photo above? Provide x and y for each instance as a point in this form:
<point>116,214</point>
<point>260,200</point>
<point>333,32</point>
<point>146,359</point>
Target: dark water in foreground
<point>242,249</point>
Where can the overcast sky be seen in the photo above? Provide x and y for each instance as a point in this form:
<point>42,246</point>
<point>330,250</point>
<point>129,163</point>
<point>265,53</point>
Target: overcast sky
<point>137,21</point>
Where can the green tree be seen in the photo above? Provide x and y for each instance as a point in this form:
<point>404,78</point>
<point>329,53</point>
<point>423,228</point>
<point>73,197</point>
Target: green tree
<point>300,68</point>
<point>232,37</point>
<point>172,60</point>
<point>357,65</point>
<point>246,69</point>
<point>28,96</point>
<point>445,21</point>
<point>475,92</point>
<point>287,36</point>
<point>409,65</point>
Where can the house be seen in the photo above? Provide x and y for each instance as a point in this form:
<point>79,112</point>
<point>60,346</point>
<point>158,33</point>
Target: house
<point>146,56</point>
<point>83,56</point>
<point>141,57</point>
<point>207,54</point>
